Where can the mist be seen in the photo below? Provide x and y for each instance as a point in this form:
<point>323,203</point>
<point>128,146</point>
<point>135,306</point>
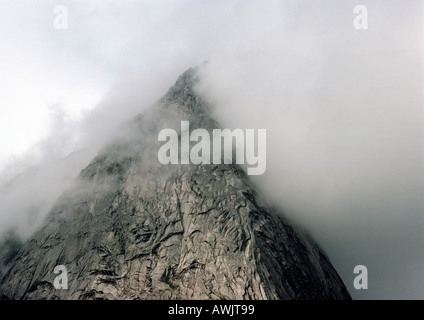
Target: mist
<point>343,110</point>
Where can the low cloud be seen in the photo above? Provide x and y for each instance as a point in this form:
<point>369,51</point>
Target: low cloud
<point>342,109</point>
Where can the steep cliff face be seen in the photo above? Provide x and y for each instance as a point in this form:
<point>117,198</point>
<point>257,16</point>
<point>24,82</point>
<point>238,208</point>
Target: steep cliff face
<point>131,228</point>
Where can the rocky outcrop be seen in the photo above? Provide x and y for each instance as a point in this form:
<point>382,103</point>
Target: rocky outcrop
<point>131,228</point>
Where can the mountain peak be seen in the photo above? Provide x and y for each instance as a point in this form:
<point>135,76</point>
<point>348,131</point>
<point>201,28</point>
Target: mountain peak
<point>131,228</point>
<point>183,93</point>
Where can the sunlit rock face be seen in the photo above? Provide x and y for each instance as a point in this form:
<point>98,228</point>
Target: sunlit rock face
<point>132,228</point>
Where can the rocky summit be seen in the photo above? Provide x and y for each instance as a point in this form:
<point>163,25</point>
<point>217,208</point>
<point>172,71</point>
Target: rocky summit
<point>133,228</point>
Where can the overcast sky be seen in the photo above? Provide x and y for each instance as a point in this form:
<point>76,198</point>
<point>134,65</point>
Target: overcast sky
<point>343,109</point>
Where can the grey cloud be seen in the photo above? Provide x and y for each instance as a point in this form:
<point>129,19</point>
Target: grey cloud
<point>342,109</point>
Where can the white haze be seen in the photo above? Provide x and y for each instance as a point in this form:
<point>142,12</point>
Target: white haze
<point>343,110</point>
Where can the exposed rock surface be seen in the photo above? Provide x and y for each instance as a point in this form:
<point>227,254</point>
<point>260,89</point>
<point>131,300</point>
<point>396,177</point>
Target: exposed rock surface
<point>131,228</point>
